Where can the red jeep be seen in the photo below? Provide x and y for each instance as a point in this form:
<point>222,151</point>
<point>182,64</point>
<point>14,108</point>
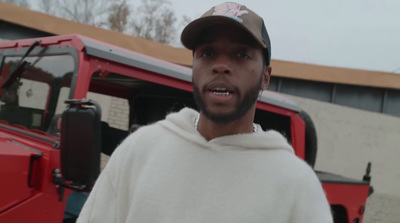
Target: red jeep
<point>43,158</point>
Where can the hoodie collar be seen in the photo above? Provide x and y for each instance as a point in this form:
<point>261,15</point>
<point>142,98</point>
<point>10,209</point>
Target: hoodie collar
<point>182,123</point>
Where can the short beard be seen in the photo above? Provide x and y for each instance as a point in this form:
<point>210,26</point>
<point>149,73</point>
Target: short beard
<point>249,99</point>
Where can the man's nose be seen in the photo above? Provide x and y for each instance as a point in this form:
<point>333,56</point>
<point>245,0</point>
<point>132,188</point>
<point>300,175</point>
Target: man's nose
<point>222,65</point>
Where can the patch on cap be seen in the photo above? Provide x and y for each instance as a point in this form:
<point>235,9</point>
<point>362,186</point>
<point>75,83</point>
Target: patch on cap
<point>231,10</point>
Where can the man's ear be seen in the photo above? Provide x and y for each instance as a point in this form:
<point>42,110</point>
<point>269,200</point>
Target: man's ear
<point>267,75</point>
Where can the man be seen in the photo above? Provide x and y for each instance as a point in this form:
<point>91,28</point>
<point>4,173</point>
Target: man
<point>216,165</point>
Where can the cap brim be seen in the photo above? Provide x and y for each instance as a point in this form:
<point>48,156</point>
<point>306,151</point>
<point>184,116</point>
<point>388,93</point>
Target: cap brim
<point>194,29</point>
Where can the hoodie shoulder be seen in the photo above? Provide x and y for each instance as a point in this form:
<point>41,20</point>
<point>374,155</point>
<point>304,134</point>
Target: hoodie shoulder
<point>181,121</point>
<point>184,118</point>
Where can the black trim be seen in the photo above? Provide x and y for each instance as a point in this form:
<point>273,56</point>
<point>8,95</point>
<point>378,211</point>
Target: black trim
<point>27,147</point>
<point>135,60</point>
<point>336,179</point>
<point>167,69</point>
<point>33,159</point>
<point>1,61</point>
<point>311,146</point>
<point>30,134</point>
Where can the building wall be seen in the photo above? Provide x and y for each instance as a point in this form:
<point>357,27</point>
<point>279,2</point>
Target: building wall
<point>11,31</point>
<point>381,100</point>
<point>382,208</point>
<point>119,114</point>
<point>348,139</point>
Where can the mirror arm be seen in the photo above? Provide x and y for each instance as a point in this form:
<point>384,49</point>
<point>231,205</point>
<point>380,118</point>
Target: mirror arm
<point>61,183</point>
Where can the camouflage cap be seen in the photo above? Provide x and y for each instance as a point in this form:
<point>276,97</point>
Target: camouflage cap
<point>229,13</point>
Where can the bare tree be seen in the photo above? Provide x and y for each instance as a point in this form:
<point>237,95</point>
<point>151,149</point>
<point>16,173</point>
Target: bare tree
<point>185,20</point>
<point>91,12</point>
<point>22,3</point>
<point>165,27</point>
<point>118,15</point>
<point>47,6</point>
<point>155,21</point>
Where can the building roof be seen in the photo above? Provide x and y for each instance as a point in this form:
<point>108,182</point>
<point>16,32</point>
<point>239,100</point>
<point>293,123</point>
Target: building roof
<point>57,26</point>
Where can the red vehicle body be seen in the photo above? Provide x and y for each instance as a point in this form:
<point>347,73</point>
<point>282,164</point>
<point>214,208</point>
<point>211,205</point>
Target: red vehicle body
<point>75,67</point>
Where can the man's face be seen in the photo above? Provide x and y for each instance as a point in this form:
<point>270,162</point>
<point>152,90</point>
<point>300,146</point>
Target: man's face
<point>228,74</point>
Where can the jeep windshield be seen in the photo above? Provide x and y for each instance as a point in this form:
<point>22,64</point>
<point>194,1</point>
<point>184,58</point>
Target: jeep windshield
<point>36,97</point>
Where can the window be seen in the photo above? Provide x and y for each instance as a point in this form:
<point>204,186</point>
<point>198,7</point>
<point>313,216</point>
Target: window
<point>30,100</point>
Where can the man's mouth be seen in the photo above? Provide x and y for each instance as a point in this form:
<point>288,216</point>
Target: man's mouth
<point>221,91</point>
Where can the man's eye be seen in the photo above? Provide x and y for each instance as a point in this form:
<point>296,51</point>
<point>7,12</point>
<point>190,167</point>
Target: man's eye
<point>242,55</point>
<point>206,54</point>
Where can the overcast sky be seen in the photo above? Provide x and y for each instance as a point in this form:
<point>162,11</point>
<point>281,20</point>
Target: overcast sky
<point>361,34</point>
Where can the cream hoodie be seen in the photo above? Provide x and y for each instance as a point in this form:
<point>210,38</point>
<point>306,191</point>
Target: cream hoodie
<point>167,172</point>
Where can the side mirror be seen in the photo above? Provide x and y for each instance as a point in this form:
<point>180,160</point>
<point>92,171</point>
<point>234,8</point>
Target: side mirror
<point>80,143</point>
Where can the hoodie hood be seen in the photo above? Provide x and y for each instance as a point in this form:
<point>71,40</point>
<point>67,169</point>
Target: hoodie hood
<point>182,124</point>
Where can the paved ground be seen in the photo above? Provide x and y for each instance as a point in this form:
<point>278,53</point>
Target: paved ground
<point>382,208</point>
